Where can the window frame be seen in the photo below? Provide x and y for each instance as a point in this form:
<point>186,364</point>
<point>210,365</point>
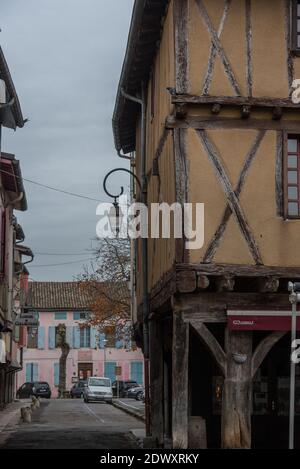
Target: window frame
<point>84,335</point>
<point>294,27</point>
<point>64,318</point>
<point>286,184</point>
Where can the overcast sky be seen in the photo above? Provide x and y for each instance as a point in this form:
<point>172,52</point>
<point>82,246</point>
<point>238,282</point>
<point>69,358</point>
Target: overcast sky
<point>65,57</point>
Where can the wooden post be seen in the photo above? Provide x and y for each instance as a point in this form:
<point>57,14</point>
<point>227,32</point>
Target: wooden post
<point>237,393</point>
<point>156,380</point>
<point>180,395</point>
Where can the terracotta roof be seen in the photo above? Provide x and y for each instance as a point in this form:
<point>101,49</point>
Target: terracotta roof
<point>57,296</point>
<point>144,36</point>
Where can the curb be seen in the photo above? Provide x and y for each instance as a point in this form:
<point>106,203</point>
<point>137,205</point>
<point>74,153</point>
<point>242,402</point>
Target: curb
<point>128,409</point>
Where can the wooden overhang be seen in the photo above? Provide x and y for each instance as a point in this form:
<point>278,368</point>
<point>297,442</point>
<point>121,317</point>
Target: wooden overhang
<point>10,116</point>
<point>144,36</point>
<point>12,181</point>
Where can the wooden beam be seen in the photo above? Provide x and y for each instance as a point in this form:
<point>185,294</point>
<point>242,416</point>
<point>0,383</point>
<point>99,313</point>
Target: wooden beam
<point>217,44</point>
<point>237,391</point>
<point>186,282</point>
<point>180,391</point>
<point>249,43</point>
<point>239,270</point>
<point>181,44</point>
<point>235,101</point>
<point>231,196</point>
<point>156,380</point>
<point>181,184</point>
<point>211,342</point>
<point>264,348</point>
<point>290,58</point>
<point>214,52</point>
<point>209,317</point>
<point>216,240</point>
<point>214,122</point>
<point>279,175</point>
<point>219,303</point>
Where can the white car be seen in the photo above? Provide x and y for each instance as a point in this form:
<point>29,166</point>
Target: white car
<point>98,389</point>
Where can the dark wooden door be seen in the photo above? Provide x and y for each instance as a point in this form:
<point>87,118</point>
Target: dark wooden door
<point>85,370</point>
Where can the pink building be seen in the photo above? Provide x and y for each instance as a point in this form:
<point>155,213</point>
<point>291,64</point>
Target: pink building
<point>92,352</point>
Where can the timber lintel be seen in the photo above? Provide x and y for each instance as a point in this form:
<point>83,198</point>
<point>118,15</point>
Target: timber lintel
<point>211,342</point>
<point>239,101</point>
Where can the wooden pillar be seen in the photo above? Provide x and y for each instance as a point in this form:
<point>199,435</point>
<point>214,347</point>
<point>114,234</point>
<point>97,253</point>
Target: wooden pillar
<point>180,394</point>
<point>157,380</point>
<point>237,393</point>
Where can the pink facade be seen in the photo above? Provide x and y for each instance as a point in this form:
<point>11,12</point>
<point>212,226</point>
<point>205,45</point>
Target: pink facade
<point>41,363</point>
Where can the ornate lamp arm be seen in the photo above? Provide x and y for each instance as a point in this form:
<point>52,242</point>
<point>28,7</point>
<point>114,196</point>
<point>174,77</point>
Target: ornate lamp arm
<point>122,188</point>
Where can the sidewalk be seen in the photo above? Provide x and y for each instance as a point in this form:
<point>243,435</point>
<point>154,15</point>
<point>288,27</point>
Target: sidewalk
<point>11,413</point>
<point>136,409</point>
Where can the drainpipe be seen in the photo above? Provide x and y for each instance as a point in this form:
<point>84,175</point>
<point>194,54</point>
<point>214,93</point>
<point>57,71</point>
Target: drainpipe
<point>142,102</point>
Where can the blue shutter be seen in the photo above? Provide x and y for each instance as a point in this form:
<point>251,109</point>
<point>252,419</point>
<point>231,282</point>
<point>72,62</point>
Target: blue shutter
<point>137,372</point>
<point>119,344</point>
<point>69,336</point>
<point>76,316</point>
<point>41,338</point>
<point>56,374</point>
<point>76,337</point>
<point>51,337</point>
<point>35,371</point>
<point>29,372</point>
<point>93,337</point>
<point>101,340</point>
<point>110,370</point>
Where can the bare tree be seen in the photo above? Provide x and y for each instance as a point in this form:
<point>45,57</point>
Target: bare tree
<point>65,349</point>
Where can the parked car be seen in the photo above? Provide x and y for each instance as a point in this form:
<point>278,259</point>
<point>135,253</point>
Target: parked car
<point>120,388</point>
<point>98,389</point>
<point>133,392</point>
<point>140,396</point>
<point>37,389</point>
<point>78,389</point>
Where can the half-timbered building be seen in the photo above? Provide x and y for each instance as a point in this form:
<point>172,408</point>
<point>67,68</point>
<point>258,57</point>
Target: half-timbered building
<point>215,122</point>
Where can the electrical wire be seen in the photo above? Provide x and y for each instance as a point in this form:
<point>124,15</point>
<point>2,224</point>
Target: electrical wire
<point>62,263</point>
<point>60,254</point>
<point>45,186</point>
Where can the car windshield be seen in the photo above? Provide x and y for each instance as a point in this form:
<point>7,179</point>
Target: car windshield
<point>41,385</point>
<point>99,382</point>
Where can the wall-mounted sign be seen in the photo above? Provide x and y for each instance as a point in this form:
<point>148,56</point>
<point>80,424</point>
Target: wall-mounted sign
<point>118,370</point>
<point>261,320</point>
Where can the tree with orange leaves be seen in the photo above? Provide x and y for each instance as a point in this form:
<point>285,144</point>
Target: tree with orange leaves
<point>106,281</point>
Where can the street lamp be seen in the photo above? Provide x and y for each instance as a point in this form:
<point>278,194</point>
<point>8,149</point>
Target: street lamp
<point>115,215</point>
<point>294,289</point>
<point>144,248</point>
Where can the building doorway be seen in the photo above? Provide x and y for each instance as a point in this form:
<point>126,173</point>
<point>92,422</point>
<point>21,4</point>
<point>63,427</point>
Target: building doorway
<point>271,391</point>
<point>85,370</point>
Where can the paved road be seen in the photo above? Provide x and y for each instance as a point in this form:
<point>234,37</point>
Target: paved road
<point>72,424</point>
